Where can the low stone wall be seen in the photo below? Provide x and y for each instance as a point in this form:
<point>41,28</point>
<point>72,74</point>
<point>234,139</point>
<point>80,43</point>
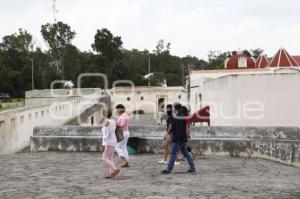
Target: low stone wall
<point>275,143</point>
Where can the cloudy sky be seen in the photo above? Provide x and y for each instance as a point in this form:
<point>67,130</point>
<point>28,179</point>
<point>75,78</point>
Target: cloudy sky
<point>192,26</point>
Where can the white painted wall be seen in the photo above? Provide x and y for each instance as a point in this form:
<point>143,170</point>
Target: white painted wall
<point>275,96</point>
<point>199,77</point>
<point>150,97</point>
<point>16,126</point>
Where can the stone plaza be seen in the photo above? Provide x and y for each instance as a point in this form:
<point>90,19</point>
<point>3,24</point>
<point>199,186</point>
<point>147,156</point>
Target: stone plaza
<point>80,175</point>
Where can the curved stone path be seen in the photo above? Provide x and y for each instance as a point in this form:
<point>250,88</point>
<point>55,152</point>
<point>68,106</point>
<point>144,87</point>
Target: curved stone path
<point>79,175</point>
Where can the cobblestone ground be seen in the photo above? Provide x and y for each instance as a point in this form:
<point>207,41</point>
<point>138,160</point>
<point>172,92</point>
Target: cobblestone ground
<point>79,175</point>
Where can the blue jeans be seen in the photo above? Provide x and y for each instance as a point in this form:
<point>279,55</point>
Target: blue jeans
<point>183,148</point>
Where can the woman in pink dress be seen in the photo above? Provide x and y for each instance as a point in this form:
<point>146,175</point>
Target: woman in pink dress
<point>121,147</point>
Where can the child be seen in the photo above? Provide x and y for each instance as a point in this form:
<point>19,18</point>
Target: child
<point>109,142</point>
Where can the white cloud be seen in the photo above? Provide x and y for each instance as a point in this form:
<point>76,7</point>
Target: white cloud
<point>193,26</point>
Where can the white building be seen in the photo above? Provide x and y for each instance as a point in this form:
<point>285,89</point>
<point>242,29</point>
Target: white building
<point>147,99</point>
<point>274,84</point>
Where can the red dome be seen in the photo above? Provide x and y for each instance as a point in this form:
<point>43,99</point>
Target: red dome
<point>283,59</point>
<point>261,61</point>
<point>240,61</point>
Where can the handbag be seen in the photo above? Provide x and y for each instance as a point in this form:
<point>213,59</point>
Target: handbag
<point>119,134</point>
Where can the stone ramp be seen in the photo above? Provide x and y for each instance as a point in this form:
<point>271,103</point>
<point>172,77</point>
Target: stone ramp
<point>79,175</point>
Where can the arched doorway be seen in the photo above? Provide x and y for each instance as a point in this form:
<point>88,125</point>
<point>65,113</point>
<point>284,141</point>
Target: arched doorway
<point>161,104</point>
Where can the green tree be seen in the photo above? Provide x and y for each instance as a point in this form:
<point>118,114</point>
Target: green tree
<point>256,52</point>
<point>57,36</point>
<point>15,50</point>
<point>20,42</point>
<point>157,79</point>
<point>109,48</point>
<point>216,59</point>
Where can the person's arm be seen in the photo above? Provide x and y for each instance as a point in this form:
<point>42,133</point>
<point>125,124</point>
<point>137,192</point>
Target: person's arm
<point>168,132</point>
<point>121,122</point>
<point>106,124</point>
<point>188,131</point>
<point>169,129</point>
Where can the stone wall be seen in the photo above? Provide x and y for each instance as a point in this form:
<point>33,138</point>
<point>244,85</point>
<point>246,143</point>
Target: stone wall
<point>16,126</point>
<point>275,143</point>
<point>146,98</point>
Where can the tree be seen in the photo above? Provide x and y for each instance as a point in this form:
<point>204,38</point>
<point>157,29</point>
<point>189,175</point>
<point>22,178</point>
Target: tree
<point>157,79</point>
<point>216,59</point>
<point>15,50</point>
<point>20,42</point>
<point>57,36</point>
<point>256,52</point>
<point>247,53</point>
<point>162,47</point>
<point>108,45</point>
<point>109,48</point>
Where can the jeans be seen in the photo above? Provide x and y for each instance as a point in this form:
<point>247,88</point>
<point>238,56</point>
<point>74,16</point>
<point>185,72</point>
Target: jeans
<point>183,148</point>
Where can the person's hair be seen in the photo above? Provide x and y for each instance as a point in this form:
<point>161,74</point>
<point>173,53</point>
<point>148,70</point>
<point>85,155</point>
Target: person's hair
<point>108,113</point>
<point>184,111</point>
<point>169,109</point>
<point>177,107</point>
<point>121,108</point>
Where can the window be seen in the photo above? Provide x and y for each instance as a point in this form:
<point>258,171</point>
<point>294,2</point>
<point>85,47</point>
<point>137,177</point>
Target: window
<point>242,63</point>
<point>12,122</point>
<point>128,98</point>
<point>179,96</point>
<point>142,98</point>
<point>42,113</point>
<point>2,124</point>
<point>21,119</point>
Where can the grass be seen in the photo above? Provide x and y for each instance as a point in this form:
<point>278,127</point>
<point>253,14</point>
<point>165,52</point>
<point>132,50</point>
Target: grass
<point>5,108</point>
<point>12,100</point>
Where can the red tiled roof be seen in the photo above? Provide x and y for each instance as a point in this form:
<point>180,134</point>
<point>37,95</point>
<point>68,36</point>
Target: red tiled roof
<point>261,61</point>
<point>297,59</point>
<point>282,59</point>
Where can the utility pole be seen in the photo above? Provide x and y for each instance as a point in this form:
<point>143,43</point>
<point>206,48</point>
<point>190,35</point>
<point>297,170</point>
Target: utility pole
<point>32,72</point>
<point>54,10</point>
<point>149,70</point>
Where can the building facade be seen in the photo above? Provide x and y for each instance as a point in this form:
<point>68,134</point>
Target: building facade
<point>262,80</point>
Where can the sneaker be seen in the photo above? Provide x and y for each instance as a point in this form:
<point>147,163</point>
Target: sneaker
<point>190,171</point>
<point>177,163</point>
<point>162,162</point>
<point>165,172</point>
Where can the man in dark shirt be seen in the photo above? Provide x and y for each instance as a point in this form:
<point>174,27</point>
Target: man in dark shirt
<point>179,140</point>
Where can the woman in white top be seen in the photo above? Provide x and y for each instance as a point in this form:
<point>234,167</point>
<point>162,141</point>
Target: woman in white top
<point>109,142</point>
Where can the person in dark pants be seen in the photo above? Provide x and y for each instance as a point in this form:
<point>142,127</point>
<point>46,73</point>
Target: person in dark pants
<point>179,141</point>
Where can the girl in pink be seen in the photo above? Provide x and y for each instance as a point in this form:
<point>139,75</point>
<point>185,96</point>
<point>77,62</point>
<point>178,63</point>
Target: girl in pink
<point>121,147</point>
<point>109,142</point>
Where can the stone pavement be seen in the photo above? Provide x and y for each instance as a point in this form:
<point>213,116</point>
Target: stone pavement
<point>79,175</point>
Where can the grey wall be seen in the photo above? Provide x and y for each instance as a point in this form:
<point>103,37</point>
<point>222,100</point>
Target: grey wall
<point>275,143</point>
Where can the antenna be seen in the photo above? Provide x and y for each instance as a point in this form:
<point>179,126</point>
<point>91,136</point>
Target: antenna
<point>54,10</point>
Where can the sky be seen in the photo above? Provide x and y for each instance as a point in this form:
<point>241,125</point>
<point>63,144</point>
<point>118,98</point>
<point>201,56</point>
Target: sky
<point>193,27</point>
